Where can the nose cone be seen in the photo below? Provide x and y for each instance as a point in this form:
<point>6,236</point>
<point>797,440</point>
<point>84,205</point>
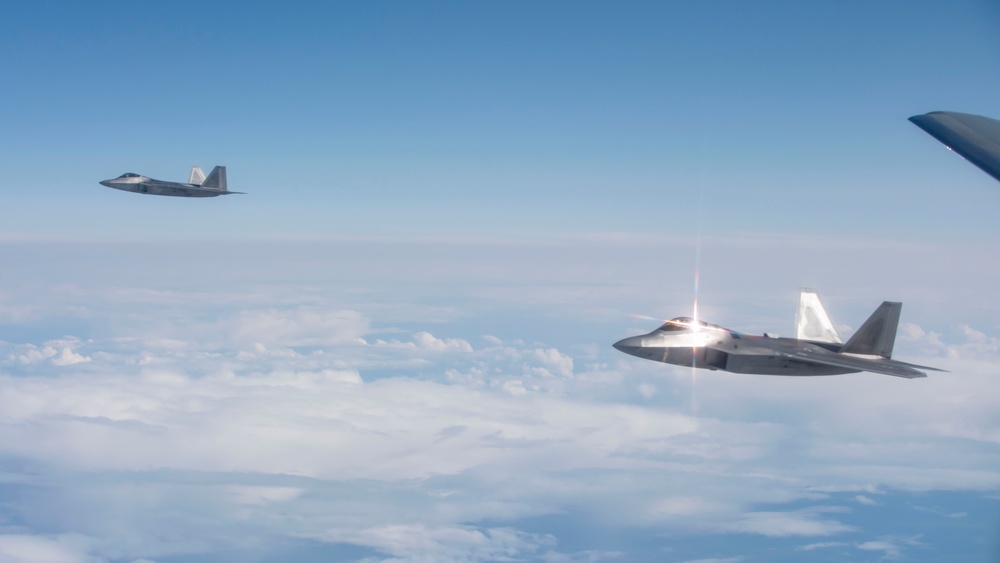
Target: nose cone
<point>106,183</point>
<point>629,345</point>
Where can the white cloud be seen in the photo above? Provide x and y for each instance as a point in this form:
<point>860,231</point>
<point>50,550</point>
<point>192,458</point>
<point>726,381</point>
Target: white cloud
<point>417,543</point>
<point>264,495</point>
<point>21,548</point>
<point>30,354</point>
<point>647,390</point>
<point>823,545</point>
<point>688,506</point>
<point>781,524</point>
<point>892,547</point>
<point>514,387</point>
<point>939,512</point>
<point>68,357</point>
<point>58,352</point>
<point>332,410</point>
<point>890,550</point>
<point>867,501</point>
<point>297,327</point>
<point>555,361</point>
<point>428,340</point>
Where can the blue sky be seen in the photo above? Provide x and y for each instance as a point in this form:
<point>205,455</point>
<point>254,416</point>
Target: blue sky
<point>555,116</point>
<point>396,347</point>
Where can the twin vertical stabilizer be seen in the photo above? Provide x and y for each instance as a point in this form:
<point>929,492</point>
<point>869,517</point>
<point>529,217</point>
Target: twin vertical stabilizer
<point>216,180</point>
<point>878,335</point>
<point>811,320</point>
<point>197,176</point>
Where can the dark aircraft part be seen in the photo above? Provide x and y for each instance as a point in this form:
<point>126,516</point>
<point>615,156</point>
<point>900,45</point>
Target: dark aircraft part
<point>878,335</point>
<point>698,357</point>
<point>715,359</point>
<point>975,137</point>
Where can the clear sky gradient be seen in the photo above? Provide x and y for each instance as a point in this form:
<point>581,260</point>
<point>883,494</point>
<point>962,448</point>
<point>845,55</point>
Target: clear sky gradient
<point>463,118</point>
<point>397,346</point>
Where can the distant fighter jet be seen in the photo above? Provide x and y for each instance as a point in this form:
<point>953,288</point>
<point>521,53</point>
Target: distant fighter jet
<point>816,349</point>
<point>974,137</point>
<point>197,186</point>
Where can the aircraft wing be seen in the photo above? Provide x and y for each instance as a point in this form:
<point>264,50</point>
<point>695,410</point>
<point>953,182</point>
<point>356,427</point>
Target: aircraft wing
<point>975,137</point>
<point>887,367</point>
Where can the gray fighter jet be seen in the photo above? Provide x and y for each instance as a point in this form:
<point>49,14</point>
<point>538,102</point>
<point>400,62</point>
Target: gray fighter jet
<point>197,186</point>
<point>816,349</point>
<point>974,137</point>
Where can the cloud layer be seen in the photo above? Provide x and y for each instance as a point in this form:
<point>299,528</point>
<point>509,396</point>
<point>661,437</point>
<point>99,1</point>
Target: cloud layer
<point>417,424</point>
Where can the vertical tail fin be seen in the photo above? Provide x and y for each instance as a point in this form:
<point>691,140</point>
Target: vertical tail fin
<point>197,176</point>
<point>878,335</point>
<point>217,179</point>
<point>811,320</point>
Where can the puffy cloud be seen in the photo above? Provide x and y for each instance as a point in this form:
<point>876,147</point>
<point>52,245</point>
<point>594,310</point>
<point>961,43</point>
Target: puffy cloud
<point>424,340</point>
<point>427,340</point>
<point>554,361</point>
<point>68,357</point>
<point>30,354</point>
<point>345,411</point>
<point>486,422</point>
<point>57,352</point>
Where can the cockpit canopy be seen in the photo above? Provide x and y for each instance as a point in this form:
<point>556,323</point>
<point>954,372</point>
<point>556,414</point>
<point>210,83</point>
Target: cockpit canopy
<point>129,175</point>
<point>686,323</point>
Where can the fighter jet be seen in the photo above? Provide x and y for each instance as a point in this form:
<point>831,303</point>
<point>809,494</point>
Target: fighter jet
<point>974,137</point>
<point>197,186</point>
<point>816,349</point>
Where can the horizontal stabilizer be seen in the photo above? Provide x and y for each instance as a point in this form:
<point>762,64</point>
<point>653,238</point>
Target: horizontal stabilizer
<point>880,365</point>
<point>878,335</point>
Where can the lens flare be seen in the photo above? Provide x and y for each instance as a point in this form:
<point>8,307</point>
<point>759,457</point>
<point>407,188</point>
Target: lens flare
<point>646,318</point>
<point>694,347</point>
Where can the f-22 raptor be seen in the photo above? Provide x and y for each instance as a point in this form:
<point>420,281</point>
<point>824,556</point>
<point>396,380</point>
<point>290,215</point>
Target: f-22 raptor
<point>816,349</point>
<point>197,186</point>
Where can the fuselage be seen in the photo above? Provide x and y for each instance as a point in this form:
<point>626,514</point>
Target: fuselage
<point>131,182</point>
<point>686,342</point>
